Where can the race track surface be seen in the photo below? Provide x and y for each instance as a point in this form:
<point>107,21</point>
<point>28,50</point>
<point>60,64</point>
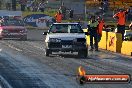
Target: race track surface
<point>23,64</point>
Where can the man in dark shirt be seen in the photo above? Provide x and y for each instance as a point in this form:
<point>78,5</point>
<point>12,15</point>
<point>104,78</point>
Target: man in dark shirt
<point>63,11</point>
<point>92,28</point>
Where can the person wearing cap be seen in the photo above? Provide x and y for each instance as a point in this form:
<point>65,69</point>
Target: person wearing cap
<point>121,16</point>
<point>92,28</point>
<point>58,17</point>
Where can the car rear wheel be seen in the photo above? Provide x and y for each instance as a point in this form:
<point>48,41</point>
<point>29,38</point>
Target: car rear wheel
<point>47,52</point>
<point>83,53</point>
<point>24,38</point>
<point>0,38</point>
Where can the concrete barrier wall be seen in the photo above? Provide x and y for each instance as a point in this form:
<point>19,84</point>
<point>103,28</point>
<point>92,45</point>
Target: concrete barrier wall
<point>126,48</point>
<point>88,40</point>
<point>103,42</point>
<point>113,42</point>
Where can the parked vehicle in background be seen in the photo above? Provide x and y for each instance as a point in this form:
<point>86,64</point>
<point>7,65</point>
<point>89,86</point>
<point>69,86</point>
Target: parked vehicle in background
<point>12,26</point>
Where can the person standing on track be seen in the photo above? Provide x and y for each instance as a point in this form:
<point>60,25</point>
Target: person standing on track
<point>92,28</point>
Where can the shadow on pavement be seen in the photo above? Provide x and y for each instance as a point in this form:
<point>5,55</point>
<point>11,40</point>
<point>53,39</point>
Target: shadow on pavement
<point>35,40</point>
<point>63,55</point>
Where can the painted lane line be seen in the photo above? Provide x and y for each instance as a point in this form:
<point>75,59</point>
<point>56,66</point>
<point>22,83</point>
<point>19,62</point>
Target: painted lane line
<point>0,50</point>
<point>5,83</point>
<point>11,46</point>
<point>14,48</point>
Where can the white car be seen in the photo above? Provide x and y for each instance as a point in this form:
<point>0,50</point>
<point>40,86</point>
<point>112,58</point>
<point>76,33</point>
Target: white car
<point>66,37</point>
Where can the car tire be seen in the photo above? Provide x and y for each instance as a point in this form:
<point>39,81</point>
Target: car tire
<point>24,38</point>
<point>47,52</point>
<point>0,38</point>
<point>83,53</point>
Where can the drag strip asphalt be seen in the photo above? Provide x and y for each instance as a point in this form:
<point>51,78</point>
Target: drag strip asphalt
<point>23,64</point>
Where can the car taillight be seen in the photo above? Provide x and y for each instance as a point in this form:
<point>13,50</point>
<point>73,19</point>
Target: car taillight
<point>23,31</point>
<point>1,30</point>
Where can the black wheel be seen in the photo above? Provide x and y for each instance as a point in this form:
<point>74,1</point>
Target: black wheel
<point>24,38</point>
<point>47,52</point>
<point>83,53</point>
<point>0,38</point>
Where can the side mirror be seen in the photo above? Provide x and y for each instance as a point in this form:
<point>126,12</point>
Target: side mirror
<point>45,33</point>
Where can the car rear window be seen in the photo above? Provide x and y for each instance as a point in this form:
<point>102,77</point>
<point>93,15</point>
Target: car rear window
<point>12,22</point>
<point>66,28</point>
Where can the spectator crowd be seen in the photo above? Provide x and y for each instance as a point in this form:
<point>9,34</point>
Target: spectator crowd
<point>33,5</point>
<point>29,5</point>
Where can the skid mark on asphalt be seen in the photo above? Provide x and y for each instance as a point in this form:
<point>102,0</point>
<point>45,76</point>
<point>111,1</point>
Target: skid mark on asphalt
<point>11,46</point>
<point>34,71</point>
<point>4,83</point>
<point>64,64</point>
<point>91,65</point>
<point>117,63</point>
<point>49,74</point>
<point>36,44</point>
